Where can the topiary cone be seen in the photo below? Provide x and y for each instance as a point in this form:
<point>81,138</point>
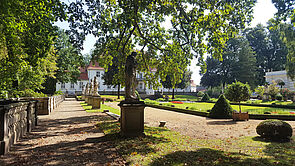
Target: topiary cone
<point>221,109</point>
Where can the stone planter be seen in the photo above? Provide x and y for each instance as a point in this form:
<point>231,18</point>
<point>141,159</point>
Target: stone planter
<point>96,102</point>
<point>13,123</point>
<point>90,100</point>
<point>240,116</point>
<point>132,119</point>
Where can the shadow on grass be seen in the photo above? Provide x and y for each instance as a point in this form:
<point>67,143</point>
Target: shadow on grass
<point>206,156</point>
<point>282,151</point>
<point>140,145</point>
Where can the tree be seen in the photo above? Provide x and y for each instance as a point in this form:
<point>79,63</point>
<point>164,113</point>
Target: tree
<point>238,63</point>
<point>270,50</point>
<point>112,76</point>
<point>27,52</point>
<point>281,83</point>
<point>238,92</point>
<point>68,63</point>
<point>121,25</point>
<point>260,91</point>
<point>183,82</point>
<point>69,60</point>
<point>273,90</point>
<point>286,10</point>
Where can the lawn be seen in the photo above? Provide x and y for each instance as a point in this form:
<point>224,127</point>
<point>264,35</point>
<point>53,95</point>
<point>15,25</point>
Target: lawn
<point>208,106</point>
<point>161,146</point>
<point>88,108</point>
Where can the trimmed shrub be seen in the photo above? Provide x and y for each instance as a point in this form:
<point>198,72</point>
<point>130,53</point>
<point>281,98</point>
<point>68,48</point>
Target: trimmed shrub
<point>221,109</point>
<point>206,97</point>
<point>275,130</point>
<point>279,97</point>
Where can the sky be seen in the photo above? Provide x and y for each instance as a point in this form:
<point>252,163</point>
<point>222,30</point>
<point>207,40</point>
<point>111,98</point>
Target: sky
<point>263,11</point>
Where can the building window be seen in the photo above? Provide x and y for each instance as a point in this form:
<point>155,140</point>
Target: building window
<point>140,75</point>
<point>81,85</point>
<point>97,74</point>
<point>72,86</point>
<point>141,86</point>
<point>63,85</point>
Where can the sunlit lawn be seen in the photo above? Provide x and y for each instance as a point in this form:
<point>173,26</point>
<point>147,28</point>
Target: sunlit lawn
<point>88,108</point>
<point>161,146</point>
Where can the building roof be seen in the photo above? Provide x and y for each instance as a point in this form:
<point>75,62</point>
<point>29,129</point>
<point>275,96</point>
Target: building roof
<point>94,66</point>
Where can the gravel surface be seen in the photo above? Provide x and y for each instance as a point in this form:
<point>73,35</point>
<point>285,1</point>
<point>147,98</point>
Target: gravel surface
<point>67,136</point>
<point>200,127</point>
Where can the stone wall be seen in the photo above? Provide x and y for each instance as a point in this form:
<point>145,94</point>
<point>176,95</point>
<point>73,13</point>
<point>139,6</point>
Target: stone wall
<point>13,122</point>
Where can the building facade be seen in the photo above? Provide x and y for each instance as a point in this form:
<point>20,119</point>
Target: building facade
<point>280,76</point>
<point>88,73</point>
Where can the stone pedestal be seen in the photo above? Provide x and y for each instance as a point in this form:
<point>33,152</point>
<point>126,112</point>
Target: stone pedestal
<point>86,99</point>
<point>96,102</point>
<point>90,100</point>
<point>83,97</point>
<point>132,118</point>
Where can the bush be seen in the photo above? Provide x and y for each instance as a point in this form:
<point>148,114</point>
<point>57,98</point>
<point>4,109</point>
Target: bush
<point>206,97</point>
<point>275,130</point>
<point>200,94</point>
<point>273,90</point>
<point>59,92</point>
<point>221,109</point>
<point>214,92</point>
<point>279,97</point>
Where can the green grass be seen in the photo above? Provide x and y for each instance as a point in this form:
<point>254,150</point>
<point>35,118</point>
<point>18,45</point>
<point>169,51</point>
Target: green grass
<point>88,108</point>
<point>208,106</point>
<point>161,146</point>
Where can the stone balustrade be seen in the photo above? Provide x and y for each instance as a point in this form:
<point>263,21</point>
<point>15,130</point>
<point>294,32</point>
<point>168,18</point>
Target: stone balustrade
<point>16,118</point>
<point>47,104</point>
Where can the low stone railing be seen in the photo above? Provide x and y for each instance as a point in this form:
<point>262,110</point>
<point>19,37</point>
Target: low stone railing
<point>47,104</point>
<point>16,119</point>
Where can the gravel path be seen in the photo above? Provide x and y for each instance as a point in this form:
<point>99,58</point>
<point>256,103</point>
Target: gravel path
<point>68,136</point>
<point>201,127</point>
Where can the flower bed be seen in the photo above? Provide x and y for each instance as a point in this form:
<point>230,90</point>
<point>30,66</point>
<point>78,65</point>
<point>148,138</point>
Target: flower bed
<point>177,102</point>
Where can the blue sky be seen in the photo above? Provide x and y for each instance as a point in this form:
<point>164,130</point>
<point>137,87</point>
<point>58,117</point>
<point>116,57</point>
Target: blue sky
<point>263,11</point>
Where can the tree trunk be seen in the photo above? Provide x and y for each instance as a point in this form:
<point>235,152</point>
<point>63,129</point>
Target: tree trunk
<point>118,91</point>
<point>173,93</point>
<point>240,106</point>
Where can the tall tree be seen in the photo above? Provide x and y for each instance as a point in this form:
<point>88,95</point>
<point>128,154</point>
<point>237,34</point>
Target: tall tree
<point>286,10</point>
<point>121,25</point>
<point>182,83</point>
<point>112,76</point>
<point>27,53</point>
<point>238,63</point>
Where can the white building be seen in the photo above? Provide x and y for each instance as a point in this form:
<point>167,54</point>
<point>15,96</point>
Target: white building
<point>94,69</point>
<point>279,76</point>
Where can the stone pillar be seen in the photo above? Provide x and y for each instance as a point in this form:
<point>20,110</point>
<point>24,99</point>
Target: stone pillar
<point>132,118</point>
<point>96,102</point>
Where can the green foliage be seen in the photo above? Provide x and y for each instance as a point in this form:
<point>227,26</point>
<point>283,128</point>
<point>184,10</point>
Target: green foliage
<point>275,130</point>
<point>205,97</point>
<point>272,89</point>
<point>238,92</point>
<point>59,92</point>
<point>221,109</point>
<point>260,91</point>
<point>26,43</point>
<point>214,91</point>
<point>120,26</point>
<point>69,60</point>
<point>200,94</point>
<point>238,63</point>
<point>279,97</point>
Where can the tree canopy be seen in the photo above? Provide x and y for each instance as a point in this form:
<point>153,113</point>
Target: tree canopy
<point>161,32</point>
<point>238,63</point>
<point>26,43</point>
